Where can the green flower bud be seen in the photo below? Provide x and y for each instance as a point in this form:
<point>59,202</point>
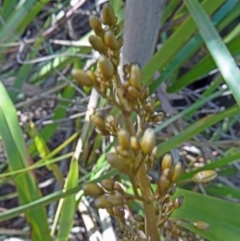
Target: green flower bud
<point>150,104</point>
<point>135,77</point>
<point>92,76</point>
<point>92,189</point>
<point>116,200</point>
<point>107,15</point>
<point>201,225</point>
<point>81,77</point>
<point>163,185</point>
<point>122,99</point>
<point>111,41</point>
<point>133,92</point>
<point>124,139</point>
<point>134,143</point>
<point>108,184</point>
<point>178,202</point>
<point>117,162</point>
<point>166,172</point>
<point>102,132</point>
<point>95,24</point>
<point>204,176</point>
<point>105,66</point>
<point>103,202</point>
<point>97,121</point>
<point>118,187</point>
<point>154,152</point>
<point>166,161</point>
<point>176,172</point>
<point>148,141</point>
<point>97,43</point>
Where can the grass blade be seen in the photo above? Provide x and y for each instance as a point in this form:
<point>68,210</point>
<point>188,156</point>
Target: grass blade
<point>14,212</point>
<point>18,158</point>
<point>222,162</point>
<point>195,128</point>
<point>169,50</point>
<point>223,191</point>
<point>67,206</point>
<point>216,47</point>
<point>187,111</point>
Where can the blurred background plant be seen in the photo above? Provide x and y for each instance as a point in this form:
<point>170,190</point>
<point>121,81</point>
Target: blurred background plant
<point>49,148</point>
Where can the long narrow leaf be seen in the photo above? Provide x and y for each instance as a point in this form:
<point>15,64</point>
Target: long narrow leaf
<point>220,215</point>
<point>192,46</point>
<point>195,128</point>
<point>221,162</point>
<point>68,204</point>
<point>216,47</point>
<point>18,157</point>
<point>50,198</point>
<point>167,52</point>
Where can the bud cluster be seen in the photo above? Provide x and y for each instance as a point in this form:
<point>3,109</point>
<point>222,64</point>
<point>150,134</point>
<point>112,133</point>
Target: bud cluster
<point>107,42</point>
<point>108,127</point>
<point>136,150</point>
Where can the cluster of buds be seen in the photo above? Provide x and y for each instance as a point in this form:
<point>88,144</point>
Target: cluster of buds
<point>108,195</point>
<point>107,127</point>
<point>107,42</point>
<point>137,95</point>
<point>128,96</point>
<point>174,229</point>
<point>136,150</point>
<point>130,153</point>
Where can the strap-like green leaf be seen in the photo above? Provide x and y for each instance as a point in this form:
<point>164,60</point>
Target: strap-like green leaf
<point>18,158</point>
<point>216,47</point>
<point>222,216</point>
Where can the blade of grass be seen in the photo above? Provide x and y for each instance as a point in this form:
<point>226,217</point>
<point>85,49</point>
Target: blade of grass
<point>44,201</point>
<point>192,46</point>
<point>44,151</point>
<point>36,8</point>
<point>35,166</point>
<point>167,52</point>
<point>203,67</point>
<point>7,9</point>
<point>21,11</point>
<point>221,162</point>
<point>170,8</point>
<point>216,47</point>
<point>187,111</point>
<point>195,128</point>
<point>60,112</point>
<point>223,191</point>
<point>18,158</point>
<point>67,206</point>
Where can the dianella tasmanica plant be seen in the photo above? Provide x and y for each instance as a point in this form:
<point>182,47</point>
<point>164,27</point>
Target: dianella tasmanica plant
<point>136,150</point>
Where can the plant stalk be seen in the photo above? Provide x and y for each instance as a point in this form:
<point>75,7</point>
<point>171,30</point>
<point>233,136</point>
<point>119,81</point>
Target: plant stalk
<point>150,222</point>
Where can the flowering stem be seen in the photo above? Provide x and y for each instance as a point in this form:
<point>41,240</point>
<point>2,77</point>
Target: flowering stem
<point>150,222</point>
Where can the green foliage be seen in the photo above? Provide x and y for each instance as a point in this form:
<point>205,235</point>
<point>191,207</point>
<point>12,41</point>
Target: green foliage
<point>208,23</point>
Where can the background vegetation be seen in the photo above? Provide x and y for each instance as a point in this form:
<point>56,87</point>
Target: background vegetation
<point>45,135</point>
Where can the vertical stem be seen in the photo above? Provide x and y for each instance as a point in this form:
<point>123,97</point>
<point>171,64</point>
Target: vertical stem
<point>128,123</point>
<point>151,224</point>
